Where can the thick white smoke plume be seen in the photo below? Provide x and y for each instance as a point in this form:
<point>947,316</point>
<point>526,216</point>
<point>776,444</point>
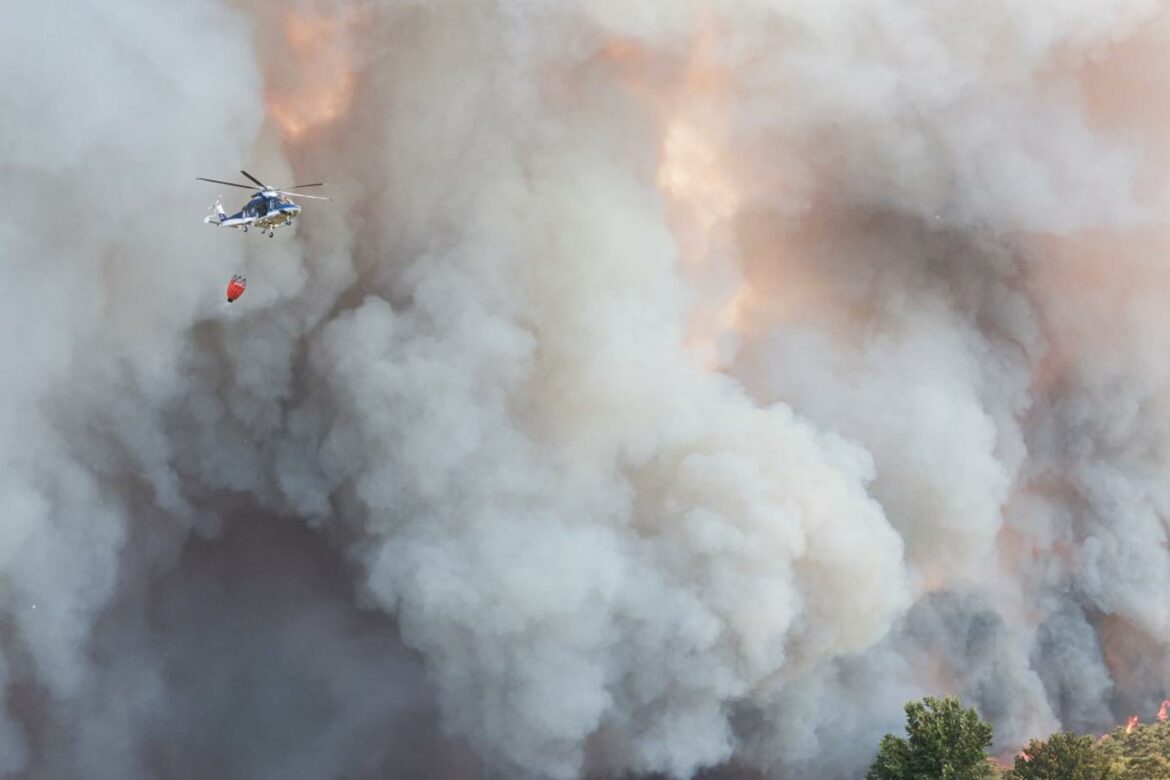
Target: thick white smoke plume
<point>669,386</point>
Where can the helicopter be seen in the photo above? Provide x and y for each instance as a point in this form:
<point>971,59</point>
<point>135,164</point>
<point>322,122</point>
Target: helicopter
<point>269,207</point>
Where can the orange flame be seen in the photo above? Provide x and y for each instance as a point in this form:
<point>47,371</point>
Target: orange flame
<point>320,85</point>
<point>692,172</point>
<point>694,176</point>
<point>1024,755</point>
<point>1131,724</point>
<point>1164,711</point>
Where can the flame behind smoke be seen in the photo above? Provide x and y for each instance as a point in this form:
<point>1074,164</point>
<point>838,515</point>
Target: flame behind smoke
<point>693,173</point>
<point>693,176</point>
<point>696,177</point>
<point>314,84</point>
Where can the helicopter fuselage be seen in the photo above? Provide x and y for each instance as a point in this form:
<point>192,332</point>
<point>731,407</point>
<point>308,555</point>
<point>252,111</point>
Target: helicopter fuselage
<point>266,210</point>
<point>269,207</point>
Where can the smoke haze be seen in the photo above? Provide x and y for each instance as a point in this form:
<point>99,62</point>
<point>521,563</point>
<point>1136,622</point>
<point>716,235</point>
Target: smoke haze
<point>669,386</point>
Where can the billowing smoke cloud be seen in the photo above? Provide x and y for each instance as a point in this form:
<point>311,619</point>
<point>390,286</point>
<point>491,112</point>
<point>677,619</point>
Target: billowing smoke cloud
<point>668,387</point>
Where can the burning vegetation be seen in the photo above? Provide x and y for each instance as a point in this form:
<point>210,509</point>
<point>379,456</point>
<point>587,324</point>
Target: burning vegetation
<point>945,740</point>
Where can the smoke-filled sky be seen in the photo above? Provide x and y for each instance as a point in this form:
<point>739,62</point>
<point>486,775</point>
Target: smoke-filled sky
<point>669,386</point>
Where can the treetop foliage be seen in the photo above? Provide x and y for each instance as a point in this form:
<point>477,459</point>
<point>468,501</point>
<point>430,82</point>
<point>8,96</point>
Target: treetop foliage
<point>944,741</point>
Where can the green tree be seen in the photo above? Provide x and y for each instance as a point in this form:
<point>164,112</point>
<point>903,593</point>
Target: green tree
<point>1143,754</point>
<point>943,742</point>
<point>1063,757</point>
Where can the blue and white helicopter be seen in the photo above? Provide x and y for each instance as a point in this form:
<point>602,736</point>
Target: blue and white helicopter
<point>269,207</point>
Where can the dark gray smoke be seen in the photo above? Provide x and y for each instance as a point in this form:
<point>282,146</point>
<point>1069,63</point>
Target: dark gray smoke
<point>669,387</point>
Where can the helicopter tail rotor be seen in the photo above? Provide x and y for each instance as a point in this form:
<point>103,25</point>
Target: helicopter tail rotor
<point>216,213</point>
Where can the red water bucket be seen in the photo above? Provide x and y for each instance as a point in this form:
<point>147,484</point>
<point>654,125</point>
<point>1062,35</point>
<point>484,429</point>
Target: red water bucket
<point>236,287</point>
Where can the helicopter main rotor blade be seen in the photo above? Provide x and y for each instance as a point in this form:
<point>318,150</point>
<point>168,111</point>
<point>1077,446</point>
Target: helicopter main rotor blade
<point>300,195</point>
<point>300,186</point>
<point>228,183</point>
<point>263,186</point>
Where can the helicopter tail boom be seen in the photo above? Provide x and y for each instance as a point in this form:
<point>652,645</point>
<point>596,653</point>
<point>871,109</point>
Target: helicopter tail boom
<point>219,216</point>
